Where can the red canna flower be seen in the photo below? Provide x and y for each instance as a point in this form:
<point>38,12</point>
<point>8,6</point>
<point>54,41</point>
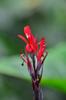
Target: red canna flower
<point>35,54</point>
<point>31,43</point>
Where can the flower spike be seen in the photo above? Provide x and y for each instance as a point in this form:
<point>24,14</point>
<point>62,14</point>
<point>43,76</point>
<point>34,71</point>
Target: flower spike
<point>35,54</point>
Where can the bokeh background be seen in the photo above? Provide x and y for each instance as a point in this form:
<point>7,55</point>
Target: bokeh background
<point>47,18</point>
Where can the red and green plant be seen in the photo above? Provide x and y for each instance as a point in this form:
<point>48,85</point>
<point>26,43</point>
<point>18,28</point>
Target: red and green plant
<point>35,54</point>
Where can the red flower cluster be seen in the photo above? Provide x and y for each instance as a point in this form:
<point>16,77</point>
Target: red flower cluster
<point>34,50</point>
<point>32,46</point>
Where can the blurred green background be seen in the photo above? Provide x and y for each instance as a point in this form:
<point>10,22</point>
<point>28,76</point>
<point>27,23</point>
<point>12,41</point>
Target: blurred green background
<point>47,18</point>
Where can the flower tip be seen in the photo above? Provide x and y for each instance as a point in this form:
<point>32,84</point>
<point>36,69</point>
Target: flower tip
<point>27,29</point>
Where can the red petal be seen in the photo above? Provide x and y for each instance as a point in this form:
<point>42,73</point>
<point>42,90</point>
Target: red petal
<point>28,33</point>
<point>27,29</point>
<point>21,37</point>
<point>31,38</point>
<point>28,48</point>
<point>41,49</point>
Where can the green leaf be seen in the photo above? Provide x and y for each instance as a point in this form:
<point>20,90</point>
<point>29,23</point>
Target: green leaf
<point>12,66</point>
<point>55,64</point>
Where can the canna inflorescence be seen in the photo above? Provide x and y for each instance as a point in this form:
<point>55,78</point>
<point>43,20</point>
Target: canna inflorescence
<point>35,54</point>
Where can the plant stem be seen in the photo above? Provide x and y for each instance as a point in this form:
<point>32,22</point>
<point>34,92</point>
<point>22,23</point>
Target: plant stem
<point>37,91</point>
